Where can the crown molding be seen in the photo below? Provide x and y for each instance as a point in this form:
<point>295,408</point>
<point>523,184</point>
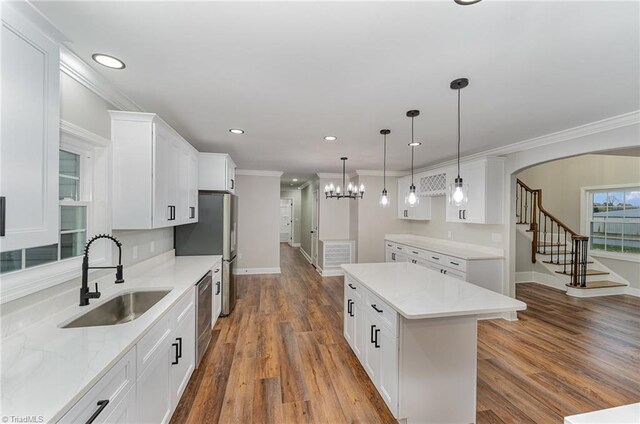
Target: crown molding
<point>329,175</point>
<point>376,173</point>
<point>74,130</point>
<point>259,173</point>
<point>603,125</point>
<point>308,182</point>
<point>80,71</point>
<point>28,11</point>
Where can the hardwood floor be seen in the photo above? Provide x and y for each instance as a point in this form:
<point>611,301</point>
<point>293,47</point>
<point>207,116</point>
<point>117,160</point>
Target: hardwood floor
<point>281,357</point>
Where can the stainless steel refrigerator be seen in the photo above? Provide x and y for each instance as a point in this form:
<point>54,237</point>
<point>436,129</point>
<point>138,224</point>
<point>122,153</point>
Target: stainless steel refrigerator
<point>215,233</point>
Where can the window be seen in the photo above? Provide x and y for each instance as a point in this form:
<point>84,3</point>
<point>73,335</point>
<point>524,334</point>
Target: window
<point>613,221</point>
<point>73,219</point>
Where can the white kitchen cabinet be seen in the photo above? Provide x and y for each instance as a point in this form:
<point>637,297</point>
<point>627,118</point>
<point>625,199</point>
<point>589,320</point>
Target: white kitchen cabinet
<point>353,322</point>
<point>182,354</point>
<point>154,395</point>
<point>217,292</point>
<point>192,189</point>
<point>485,181</point>
<point>216,172</point>
<point>110,397</point>
<point>152,181</point>
<point>29,140</point>
<point>421,212</point>
<point>388,369</point>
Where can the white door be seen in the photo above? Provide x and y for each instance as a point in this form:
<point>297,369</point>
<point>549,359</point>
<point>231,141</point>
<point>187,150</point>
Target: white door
<point>30,136</point>
<point>314,230</point>
<point>371,330</point>
<point>285,220</point>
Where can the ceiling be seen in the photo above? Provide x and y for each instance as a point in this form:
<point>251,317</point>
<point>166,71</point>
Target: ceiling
<point>289,73</point>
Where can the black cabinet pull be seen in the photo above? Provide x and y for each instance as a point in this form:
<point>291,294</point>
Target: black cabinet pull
<point>464,214</point>
<point>192,212</point>
<point>435,257</point>
<point>218,287</point>
<point>373,328</point>
<point>3,215</point>
<point>374,306</point>
<point>233,184</point>
<point>393,256</point>
<point>414,252</point>
<point>351,286</point>
<point>101,405</point>
<point>349,307</point>
<point>175,361</point>
<point>441,271</point>
<point>454,263</point>
<point>444,271</point>
<point>375,343</point>
<point>179,339</point>
<point>459,214</point>
<point>398,247</point>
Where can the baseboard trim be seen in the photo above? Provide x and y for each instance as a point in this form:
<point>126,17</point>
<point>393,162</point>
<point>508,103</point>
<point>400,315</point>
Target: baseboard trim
<point>632,291</point>
<point>246,271</point>
<point>294,244</point>
<point>305,254</point>
<point>508,316</point>
<point>539,278</point>
<point>332,272</point>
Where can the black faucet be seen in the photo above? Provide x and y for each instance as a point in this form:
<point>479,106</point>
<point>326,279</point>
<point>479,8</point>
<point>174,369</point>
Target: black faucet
<point>85,293</point>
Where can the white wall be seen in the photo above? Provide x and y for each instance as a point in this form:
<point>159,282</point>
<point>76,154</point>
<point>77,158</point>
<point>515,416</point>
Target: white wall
<point>258,222</point>
<point>333,215</point>
<point>296,195</point>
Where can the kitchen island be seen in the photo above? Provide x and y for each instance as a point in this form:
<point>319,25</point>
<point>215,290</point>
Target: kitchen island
<point>415,332</point>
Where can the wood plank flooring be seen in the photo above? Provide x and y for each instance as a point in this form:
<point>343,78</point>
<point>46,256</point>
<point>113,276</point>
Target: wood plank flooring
<point>281,357</point>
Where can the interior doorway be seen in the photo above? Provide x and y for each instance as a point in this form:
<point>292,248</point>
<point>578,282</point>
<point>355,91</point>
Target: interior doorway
<point>286,221</point>
<point>314,229</point>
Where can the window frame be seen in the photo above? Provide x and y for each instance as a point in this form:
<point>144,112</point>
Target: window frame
<point>95,194</point>
<point>586,217</point>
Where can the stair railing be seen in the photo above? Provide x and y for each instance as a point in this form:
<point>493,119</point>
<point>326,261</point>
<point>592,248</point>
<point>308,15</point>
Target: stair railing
<point>551,236</point>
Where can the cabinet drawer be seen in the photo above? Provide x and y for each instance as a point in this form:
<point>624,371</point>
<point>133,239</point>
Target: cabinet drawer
<point>380,309</point>
<point>456,263</point>
<point>181,309</point>
<point>401,248</point>
<point>435,258</point>
<point>153,342</point>
<point>389,244</point>
<point>353,288</point>
<point>113,387</point>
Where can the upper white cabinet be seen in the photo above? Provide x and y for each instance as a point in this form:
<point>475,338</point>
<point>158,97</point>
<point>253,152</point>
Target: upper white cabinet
<point>155,173</point>
<point>29,141</point>
<point>485,181</point>
<point>217,172</point>
<point>420,212</point>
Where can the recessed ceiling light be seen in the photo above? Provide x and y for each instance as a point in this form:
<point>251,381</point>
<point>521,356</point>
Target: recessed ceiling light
<point>295,179</point>
<point>415,143</point>
<point>108,61</point>
<point>236,131</point>
<point>466,2</point>
<point>330,138</point>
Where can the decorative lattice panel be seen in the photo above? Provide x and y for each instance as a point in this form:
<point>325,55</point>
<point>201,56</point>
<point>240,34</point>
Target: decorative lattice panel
<point>337,253</point>
<point>433,185</point>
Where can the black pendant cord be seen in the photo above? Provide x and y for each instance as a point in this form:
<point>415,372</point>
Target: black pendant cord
<point>344,163</point>
<point>458,132</point>
<point>412,147</point>
<point>384,165</point>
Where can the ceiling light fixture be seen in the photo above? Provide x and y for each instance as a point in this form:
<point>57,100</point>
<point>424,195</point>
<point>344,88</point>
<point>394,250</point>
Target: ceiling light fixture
<point>458,190</point>
<point>384,199</point>
<point>412,200</point>
<point>108,61</point>
<point>466,2</point>
<point>236,131</point>
<point>351,191</point>
<point>330,138</point>
<point>295,180</point>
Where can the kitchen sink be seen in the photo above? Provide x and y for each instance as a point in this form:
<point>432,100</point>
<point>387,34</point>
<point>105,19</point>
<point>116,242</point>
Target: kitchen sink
<point>125,307</point>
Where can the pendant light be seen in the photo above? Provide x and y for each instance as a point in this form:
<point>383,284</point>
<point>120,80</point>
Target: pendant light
<point>458,190</point>
<point>384,199</point>
<point>412,200</point>
<point>350,192</point>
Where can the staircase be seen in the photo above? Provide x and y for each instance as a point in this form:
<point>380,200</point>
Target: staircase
<point>561,251</point>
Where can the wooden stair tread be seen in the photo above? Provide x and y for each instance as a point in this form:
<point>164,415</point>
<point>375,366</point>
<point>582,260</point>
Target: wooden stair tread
<point>563,262</point>
<point>598,285</point>
<point>589,272</point>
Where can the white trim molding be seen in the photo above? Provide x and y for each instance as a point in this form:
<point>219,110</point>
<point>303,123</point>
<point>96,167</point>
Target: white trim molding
<point>306,255</point>
<point>332,272</point>
<point>258,173</point>
<point>540,278</point>
<point>253,271</point>
<point>326,175</point>
<point>376,173</point>
<point>632,291</point>
<point>72,65</point>
<point>87,136</point>
<point>294,244</point>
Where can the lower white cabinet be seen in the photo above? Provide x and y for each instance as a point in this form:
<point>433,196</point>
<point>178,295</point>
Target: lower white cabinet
<point>182,355</point>
<point>217,292</point>
<point>109,399</point>
<point>370,328</point>
<point>154,403</point>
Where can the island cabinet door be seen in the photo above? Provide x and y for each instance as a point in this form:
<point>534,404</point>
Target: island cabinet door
<point>358,329</point>
<point>349,320</point>
<point>371,359</point>
<point>388,376</point>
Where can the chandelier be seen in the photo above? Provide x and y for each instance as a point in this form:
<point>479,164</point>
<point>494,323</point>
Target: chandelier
<point>350,192</point>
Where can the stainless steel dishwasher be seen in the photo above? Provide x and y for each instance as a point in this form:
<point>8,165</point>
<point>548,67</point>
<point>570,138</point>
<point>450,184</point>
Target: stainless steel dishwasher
<point>204,299</point>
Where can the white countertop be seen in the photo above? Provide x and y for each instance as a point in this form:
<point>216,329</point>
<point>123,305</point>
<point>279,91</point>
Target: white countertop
<point>465,251</point>
<point>417,292</point>
<point>627,414</point>
<point>47,369</point>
